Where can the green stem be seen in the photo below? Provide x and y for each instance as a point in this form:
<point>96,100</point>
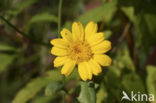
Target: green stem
<point>59,29</point>
<point>59,17</point>
<point>22,33</point>
<point>63,82</point>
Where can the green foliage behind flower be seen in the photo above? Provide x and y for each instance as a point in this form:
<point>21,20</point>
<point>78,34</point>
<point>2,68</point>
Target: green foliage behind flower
<point>27,74</point>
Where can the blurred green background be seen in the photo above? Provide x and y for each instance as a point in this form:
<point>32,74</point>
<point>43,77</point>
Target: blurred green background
<point>27,74</point>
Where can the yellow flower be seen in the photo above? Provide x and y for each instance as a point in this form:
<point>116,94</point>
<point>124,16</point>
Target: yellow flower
<point>82,47</point>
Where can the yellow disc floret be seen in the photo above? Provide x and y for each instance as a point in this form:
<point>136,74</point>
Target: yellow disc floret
<point>80,51</point>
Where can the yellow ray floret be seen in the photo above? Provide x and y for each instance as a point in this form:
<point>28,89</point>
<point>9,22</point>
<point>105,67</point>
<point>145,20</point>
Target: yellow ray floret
<point>83,47</point>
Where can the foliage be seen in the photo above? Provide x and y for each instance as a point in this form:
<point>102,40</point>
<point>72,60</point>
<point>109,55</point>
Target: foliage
<point>33,87</point>
<point>6,59</point>
<point>87,94</point>
<point>151,80</point>
<point>27,74</point>
<point>107,13</point>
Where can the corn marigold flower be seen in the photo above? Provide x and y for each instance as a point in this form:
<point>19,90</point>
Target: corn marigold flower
<point>84,47</point>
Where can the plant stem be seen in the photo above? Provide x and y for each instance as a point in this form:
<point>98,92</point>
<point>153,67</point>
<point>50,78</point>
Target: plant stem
<point>63,82</point>
<point>59,17</point>
<point>13,27</point>
<point>23,34</point>
<point>59,29</point>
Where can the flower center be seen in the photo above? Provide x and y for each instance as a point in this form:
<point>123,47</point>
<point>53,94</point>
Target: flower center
<point>80,51</point>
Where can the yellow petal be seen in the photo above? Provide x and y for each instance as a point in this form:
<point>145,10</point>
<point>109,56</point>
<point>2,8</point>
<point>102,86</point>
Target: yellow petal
<point>102,47</point>
<point>85,71</point>
<point>82,71</point>
<point>95,39</point>
<point>89,70</point>
<point>66,34</point>
<point>96,68</point>
<point>103,60</point>
<point>59,61</point>
<point>59,52</point>
<point>68,67</point>
<point>77,31</point>
<point>60,43</point>
<point>90,29</point>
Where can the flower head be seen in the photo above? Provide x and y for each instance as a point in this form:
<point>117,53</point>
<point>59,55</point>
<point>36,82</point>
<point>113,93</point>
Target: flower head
<point>82,47</point>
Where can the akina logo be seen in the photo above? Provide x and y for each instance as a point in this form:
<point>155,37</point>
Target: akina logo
<point>137,96</point>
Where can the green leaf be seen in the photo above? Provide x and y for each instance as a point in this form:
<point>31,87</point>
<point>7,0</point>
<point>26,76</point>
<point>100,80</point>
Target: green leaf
<point>103,1</point>
<point>132,82</point>
<point>107,34</point>
<point>129,11</point>
<point>101,94</point>
<point>52,87</point>
<point>19,7</point>
<point>5,60</point>
<point>30,90</point>
<point>87,94</point>
<point>43,99</point>
<point>5,47</point>
<point>43,17</point>
<point>144,20</point>
<point>151,79</point>
<point>148,26</point>
<point>74,75</point>
<point>123,59</point>
<point>113,85</point>
<point>105,11</point>
<point>34,86</point>
<point>68,25</point>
